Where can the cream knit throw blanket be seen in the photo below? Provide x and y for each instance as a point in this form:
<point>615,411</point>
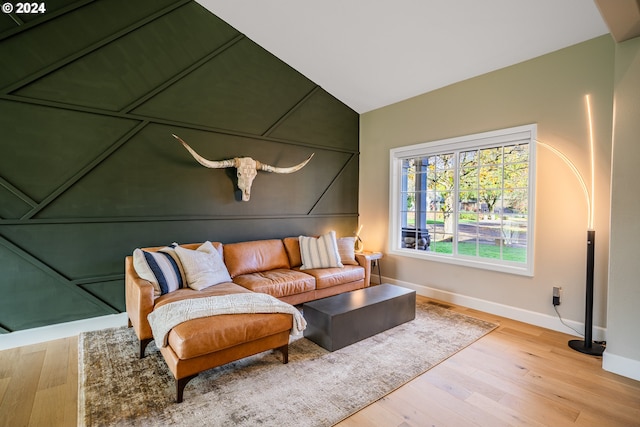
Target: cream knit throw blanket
<point>164,318</point>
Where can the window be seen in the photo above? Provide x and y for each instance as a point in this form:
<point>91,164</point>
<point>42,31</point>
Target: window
<point>467,200</point>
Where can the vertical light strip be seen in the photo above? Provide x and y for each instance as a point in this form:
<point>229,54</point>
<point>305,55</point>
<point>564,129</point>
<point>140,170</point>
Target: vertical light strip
<point>593,164</point>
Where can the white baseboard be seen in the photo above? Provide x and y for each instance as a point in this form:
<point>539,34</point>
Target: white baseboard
<point>60,330</point>
<point>522,315</point>
<point>621,365</point>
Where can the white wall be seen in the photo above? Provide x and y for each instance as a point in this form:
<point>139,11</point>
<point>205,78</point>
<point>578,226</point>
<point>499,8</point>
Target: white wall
<point>549,91</point>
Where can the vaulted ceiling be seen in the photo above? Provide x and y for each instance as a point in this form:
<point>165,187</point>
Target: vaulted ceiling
<point>372,53</point>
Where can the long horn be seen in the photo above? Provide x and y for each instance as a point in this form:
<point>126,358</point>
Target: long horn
<point>269,168</point>
<point>230,163</point>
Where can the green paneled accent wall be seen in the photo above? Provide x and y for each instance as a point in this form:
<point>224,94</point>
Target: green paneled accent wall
<point>90,93</point>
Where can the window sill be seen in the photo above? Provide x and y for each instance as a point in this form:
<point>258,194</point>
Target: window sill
<point>472,262</point>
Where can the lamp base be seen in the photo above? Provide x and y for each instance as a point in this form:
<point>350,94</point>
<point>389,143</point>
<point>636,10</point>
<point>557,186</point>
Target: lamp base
<point>581,346</point>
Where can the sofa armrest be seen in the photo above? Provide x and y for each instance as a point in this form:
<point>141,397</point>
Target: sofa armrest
<point>139,300</point>
<point>365,261</point>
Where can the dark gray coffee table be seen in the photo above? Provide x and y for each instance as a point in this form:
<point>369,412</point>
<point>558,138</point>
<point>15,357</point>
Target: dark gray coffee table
<point>344,319</point>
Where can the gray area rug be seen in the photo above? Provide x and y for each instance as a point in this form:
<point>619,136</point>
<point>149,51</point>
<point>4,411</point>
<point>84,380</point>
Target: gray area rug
<point>316,387</point>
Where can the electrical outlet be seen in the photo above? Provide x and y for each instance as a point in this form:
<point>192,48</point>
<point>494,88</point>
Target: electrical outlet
<point>557,295</point>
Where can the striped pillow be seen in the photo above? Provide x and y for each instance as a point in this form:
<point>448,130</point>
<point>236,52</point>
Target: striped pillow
<point>320,252</point>
<point>161,268</point>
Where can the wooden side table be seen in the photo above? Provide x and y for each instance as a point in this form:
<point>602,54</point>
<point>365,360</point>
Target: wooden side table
<point>374,257</point>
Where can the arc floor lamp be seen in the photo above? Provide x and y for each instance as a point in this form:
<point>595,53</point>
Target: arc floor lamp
<point>586,346</point>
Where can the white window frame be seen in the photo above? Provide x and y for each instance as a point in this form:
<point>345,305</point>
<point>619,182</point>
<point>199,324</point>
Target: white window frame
<point>475,141</point>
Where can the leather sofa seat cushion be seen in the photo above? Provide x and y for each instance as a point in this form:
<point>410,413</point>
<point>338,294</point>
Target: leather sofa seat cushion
<point>188,293</point>
<point>277,283</point>
<point>210,334</point>
<point>252,257</point>
<point>327,277</point>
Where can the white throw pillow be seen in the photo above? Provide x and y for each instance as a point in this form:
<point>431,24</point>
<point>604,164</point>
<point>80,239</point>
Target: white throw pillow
<point>203,267</point>
<point>346,249</point>
<point>161,268</point>
<point>319,252</point>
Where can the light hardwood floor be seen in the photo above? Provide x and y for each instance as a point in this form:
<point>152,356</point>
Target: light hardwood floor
<point>518,375</point>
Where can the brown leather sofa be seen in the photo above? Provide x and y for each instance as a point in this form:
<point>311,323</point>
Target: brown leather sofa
<point>266,266</point>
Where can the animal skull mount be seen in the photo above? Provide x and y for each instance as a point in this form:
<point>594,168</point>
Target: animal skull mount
<point>246,167</point>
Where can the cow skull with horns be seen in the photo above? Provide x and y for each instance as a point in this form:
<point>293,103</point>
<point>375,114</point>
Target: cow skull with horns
<point>247,168</point>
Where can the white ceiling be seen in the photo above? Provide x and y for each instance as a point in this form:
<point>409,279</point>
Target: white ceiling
<point>372,53</point>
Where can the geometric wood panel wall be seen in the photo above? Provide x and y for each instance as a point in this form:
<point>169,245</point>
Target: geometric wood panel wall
<point>90,93</point>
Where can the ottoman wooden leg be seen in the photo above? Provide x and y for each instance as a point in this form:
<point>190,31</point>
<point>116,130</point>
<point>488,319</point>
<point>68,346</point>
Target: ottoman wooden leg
<point>285,353</point>
<point>180,384</point>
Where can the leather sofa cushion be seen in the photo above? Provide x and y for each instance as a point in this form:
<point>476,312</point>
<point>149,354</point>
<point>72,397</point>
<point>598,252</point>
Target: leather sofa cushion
<point>209,334</point>
<point>327,277</point>
<point>292,245</point>
<point>277,283</point>
<point>188,293</point>
<point>255,256</point>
